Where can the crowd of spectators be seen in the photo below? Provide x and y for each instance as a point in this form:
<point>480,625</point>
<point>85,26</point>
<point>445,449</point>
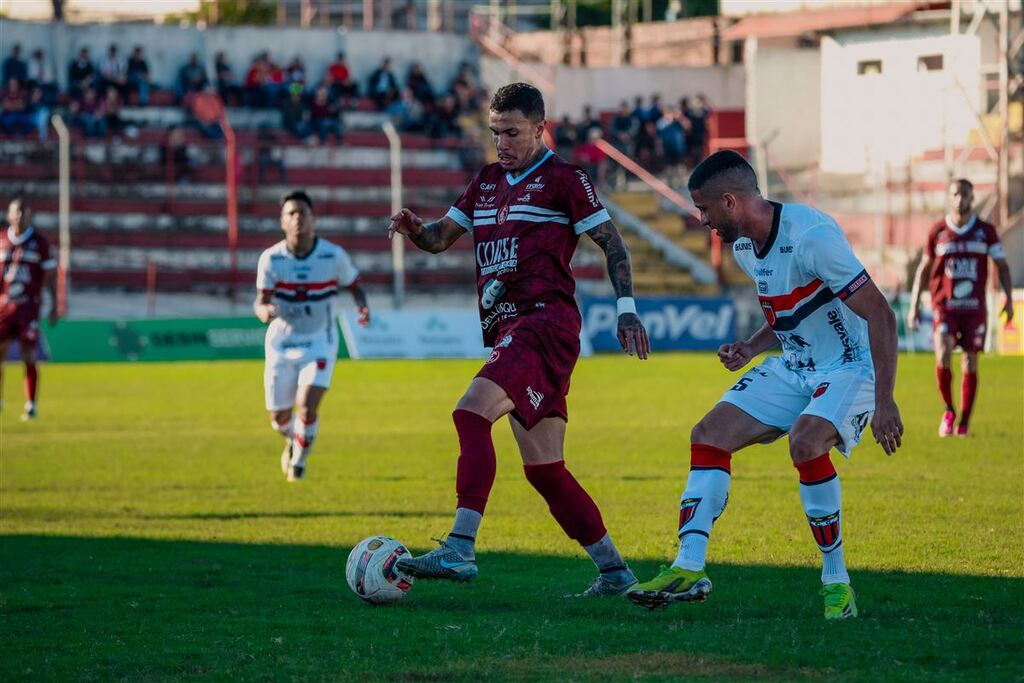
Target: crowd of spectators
<point>669,140</point>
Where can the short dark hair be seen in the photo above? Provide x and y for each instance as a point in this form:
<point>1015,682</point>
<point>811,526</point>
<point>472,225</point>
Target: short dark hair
<point>521,96</point>
<point>726,170</point>
<point>297,196</point>
<point>963,182</point>
<point>22,202</point>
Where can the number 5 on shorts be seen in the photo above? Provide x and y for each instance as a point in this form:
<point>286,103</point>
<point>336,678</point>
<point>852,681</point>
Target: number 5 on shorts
<point>742,384</point>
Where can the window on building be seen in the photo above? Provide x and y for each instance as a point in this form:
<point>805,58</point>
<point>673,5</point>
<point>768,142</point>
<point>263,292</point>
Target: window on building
<point>869,66</point>
<point>929,63</point>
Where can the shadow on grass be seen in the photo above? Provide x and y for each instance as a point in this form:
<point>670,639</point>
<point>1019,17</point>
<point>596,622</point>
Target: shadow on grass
<point>304,514</point>
<point>115,608</point>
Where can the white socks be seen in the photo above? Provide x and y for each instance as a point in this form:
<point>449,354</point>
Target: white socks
<point>821,497</point>
<point>703,501</point>
<point>305,433</point>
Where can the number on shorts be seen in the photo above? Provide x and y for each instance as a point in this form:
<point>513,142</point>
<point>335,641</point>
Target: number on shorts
<point>742,384</point>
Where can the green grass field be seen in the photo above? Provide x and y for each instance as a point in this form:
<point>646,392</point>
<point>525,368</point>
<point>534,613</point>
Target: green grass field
<point>147,534</point>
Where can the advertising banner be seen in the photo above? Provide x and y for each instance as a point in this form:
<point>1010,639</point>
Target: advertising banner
<point>415,334</point>
<point>157,340</point>
<point>673,323</point>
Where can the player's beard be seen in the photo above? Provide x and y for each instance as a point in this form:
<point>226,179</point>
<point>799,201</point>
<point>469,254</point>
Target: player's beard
<point>728,231</point>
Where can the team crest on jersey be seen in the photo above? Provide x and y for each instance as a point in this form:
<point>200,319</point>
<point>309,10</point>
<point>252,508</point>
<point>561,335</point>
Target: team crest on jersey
<point>321,363</point>
<point>502,215</point>
<point>825,530</point>
<point>769,312</point>
<point>687,509</point>
<point>495,355</point>
<point>820,390</point>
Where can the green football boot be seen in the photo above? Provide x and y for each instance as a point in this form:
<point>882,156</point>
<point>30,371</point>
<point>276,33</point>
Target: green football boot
<point>672,584</point>
<point>840,602</point>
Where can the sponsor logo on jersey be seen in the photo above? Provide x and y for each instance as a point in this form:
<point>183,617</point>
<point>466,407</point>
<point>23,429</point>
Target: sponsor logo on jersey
<point>487,187</point>
<point>962,268</point>
<point>963,288</point>
<point>587,187</point>
<point>484,201</point>
<point>769,312</point>
<point>498,255</point>
<point>743,246</point>
<point>535,397</point>
<point>524,199</point>
<point>535,185</point>
<point>505,341</point>
<point>820,390</point>
<point>825,530</point>
<point>763,272</point>
<point>503,310</point>
<point>836,321</point>
<point>495,355</point>
<point>762,287</point>
<point>687,509</point>
<point>788,249</point>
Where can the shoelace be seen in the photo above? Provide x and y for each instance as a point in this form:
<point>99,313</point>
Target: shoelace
<point>663,572</point>
<point>834,594</point>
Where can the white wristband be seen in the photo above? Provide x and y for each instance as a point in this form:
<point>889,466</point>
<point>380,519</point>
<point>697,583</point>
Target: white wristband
<point>625,304</point>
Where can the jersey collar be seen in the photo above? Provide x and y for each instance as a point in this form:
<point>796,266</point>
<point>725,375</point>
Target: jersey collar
<point>963,229</point>
<point>776,218</point>
<point>316,243</point>
<point>19,240</point>
<point>512,181</point>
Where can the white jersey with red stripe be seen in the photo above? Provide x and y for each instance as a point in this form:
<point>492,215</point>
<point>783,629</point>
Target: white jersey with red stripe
<point>304,288</point>
<point>803,274</point>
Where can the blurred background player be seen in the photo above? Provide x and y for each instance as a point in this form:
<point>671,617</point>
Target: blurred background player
<point>526,213</point>
<point>955,265</point>
<point>28,267</point>
<point>297,279</point>
<point>836,374</point>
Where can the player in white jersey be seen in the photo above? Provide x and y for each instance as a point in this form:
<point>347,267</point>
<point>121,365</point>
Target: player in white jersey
<point>298,280</point>
<point>836,374</point>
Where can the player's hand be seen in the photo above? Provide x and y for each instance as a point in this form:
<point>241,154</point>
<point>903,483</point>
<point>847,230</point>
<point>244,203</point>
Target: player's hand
<point>405,222</point>
<point>364,316</point>
<point>266,312</point>
<point>887,426</point>
<point>633,336</point>
<point>1008,311</point>
<point>913,318</point>
<point>734,356</point>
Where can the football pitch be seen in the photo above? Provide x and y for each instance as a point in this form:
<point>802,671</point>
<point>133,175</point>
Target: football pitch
<point>146,533</point>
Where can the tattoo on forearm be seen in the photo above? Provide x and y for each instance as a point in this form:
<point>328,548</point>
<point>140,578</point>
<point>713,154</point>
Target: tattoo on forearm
<point>620,270</point>
<point>429,238</point>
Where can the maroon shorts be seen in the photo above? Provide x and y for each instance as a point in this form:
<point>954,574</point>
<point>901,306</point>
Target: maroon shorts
<point>23,328</point>
<point>967,329</point>
<point>533,363</point>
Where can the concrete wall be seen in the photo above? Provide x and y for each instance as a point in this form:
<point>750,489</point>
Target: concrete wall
<point>873,119</point>
<point>168,47</point>
<point>784,103</point>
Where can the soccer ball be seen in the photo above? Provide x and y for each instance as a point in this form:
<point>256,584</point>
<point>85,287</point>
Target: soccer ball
<point>371,573</point>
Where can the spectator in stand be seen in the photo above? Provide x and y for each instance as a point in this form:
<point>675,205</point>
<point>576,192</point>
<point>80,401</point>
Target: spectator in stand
<point>227,85</point>
<point>41,74</point>
<point>697,114</point>
<point>588,123</point>
<point>39,110</point>
<point>206,111</point>
<point>255,78</point>
<point>15,119</point>
<point>382,86</point>
<point>443,121</point>
<point>645,146</point>
<point>343,88</point>
<point>192,77</point>
<point>672,135</point>
<point>565,138</point>
<point>268,155</point>
<point>622,130</point>
<point>466,88</point>
<point>592,158</point>
<point>325,115</point>
<point>174,156</point>
<point>654,111</point>
<point>90,115</point>
<point>81,74</point>
<point>407,112</point>
<point>275,83</point>
<point>419,85</point>
<point>296,71</point>
<point>639,112</point>
<point>112,111</point>
<point>114,70</point>
<point>15,67</point>
<point>138,75</point>
<point>294,114</point>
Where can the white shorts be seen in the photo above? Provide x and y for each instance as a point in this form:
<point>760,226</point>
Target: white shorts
<point>776,396</point>
<point>297,361</point>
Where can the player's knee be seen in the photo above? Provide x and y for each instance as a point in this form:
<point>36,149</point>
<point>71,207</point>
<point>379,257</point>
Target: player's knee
<point>970,363</point>
<point>804,447</point>
<point>306,413</point>
<point>701,432</point>
<point>281,417</point>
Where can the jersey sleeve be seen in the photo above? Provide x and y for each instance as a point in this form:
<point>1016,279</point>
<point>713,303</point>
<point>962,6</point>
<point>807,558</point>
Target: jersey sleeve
<point>827,255</point>
<point>929,249</point>
<point>582,204</point>
<point>995,247</point>
<point>462,210</point>
<point>46,258</point>
<point>346,272</point>
<point>265,279</point>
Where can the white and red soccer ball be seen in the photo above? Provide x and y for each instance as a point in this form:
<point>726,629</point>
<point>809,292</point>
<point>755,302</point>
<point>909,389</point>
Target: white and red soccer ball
<point>371,572</point>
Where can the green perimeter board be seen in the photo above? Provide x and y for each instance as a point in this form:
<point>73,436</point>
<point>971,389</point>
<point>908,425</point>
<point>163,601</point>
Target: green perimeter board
<point>159,340</point>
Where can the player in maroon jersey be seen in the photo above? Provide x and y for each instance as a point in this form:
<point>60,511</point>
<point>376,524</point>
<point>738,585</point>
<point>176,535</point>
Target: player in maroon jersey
<point>955,265</point>
<point>27,267</point>
<point>526,213</point>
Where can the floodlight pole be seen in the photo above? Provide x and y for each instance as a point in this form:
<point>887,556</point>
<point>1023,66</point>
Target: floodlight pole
<point>64,234</point>
<point>397,242</point>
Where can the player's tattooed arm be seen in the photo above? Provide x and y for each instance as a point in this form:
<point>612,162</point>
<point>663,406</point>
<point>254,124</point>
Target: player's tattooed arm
<point>431,237</point>
<point>631,332</point>
<point>620,270</point>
